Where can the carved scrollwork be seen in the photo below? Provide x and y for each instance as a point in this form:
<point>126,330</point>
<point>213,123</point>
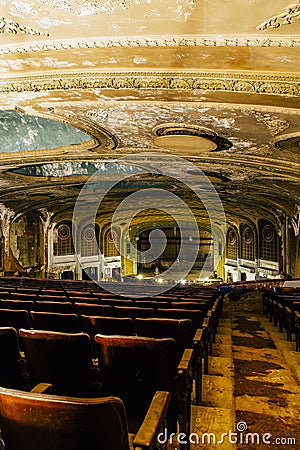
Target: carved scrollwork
<point>155,41</point>
<point>291,13</point>
<point>274,124</point>
<point>249,84</point>
<point>13,27</point>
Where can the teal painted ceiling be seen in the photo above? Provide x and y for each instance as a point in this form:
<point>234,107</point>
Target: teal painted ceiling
<point>21,132</point>
<point>76,168</point>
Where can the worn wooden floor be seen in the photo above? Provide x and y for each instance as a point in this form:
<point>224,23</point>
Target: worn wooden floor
<point>253,387</point>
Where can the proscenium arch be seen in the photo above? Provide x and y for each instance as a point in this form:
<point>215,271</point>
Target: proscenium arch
<point>171,166</point>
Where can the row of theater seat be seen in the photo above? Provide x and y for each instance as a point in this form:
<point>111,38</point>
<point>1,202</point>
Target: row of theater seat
<point>72,322</point>
<point>131,368</point>
<point>166,361</point>
<point>34,421</point>
<point>282,307</point>
<point>168,324</point>
<point>71,288</point>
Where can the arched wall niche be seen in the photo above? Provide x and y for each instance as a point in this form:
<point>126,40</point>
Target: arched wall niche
<point>248,242</point>
<point>62,238</point>
<point>268,241</point>
<point>26,241</point>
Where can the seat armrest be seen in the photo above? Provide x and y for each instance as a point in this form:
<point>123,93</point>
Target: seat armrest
<point>42,388</point>
<point>185,365</point>
<point>205,323</point>
<point>146,437</point>
<point>198,337</point>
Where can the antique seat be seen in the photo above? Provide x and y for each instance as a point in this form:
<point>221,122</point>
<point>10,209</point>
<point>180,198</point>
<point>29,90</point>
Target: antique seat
<point>33,421</point>
<point>133,312</point>
<point>93,325</point>
<point>90,309</point>
<point>56,307</point>
<point>17,304</point>
<point>14,318</point>
<point>179,330</point>
<point>61,359</point>
<point>133,368</point>
<point>12,367</point>
<point>66,323</point>
<point>196,316</point>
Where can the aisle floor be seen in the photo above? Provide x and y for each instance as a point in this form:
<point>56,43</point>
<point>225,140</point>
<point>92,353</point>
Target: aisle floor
<point>253,385</point>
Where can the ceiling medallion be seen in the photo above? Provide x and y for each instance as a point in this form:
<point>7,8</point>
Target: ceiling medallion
<point>187,138</point>
<point>289,142</point>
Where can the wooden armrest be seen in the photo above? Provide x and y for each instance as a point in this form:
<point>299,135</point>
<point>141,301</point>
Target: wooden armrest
<point>185,365</point>
<point>199,335</point>
<point>205,323</point>
<point>42,388</point>
<point>146,437</point>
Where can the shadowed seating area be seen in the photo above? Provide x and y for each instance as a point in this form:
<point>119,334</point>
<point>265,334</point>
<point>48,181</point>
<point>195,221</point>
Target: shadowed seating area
<point>33,421</point>
<point>61,359</point>
<point>87,361</point>
<point>151,364</point>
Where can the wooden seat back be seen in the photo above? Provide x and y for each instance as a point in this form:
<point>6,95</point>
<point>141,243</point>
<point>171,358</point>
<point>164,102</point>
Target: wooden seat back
<point>33,422</point>
<point>65,323</point>
<point>61,359</point>
<point>10,367</point>
<point>56,307</point>
<point>133,368</point>
<point>14,318</point>
<point>179,330</point>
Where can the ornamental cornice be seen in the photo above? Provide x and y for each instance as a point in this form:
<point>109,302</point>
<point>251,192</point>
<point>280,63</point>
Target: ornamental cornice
<point>282,85</point>
<point>154,41</point>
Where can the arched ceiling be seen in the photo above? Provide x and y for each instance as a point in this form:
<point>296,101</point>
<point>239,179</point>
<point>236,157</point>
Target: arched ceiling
<point>120,70</point>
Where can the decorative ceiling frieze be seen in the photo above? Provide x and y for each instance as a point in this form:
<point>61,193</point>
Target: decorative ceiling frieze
<point>153,41</point>
<point>13,27</point>
<point>274,124</point>
<point>290,14</point>
<point>89,7</point>
<point>224,82</point>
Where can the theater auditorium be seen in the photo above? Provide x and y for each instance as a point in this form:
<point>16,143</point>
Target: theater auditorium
<point>149,224</point>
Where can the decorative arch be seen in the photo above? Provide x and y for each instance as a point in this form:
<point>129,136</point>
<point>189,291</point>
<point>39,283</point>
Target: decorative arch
<point>26,240</point>
<point>62,239</point>
<point>232,244</point>
<point>109,246</point>
<point>268,241</point>
<point>89,240</point>
<point>248,241</point>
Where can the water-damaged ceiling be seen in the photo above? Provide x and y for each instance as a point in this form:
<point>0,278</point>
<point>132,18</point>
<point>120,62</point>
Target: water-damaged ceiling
<point>173,77</point>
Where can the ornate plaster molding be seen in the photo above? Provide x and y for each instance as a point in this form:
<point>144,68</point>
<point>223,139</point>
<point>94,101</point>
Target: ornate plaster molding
<point>13,27</point>
<point>89,7</point>
<point>290,14</point>
<point>154,41</point>
<point>210,81</point>
<point>274,124</point>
